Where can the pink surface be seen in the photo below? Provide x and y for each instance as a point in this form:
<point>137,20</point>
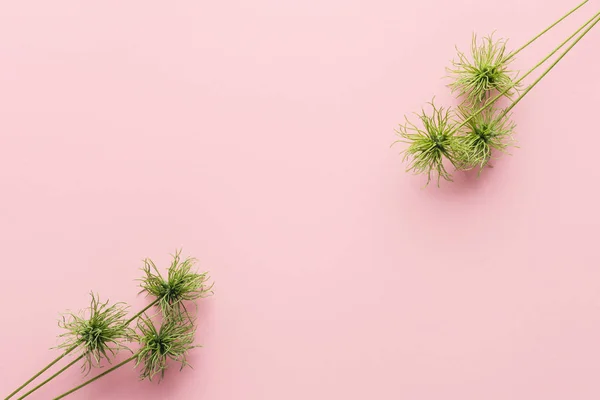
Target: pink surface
<point>255,135</point>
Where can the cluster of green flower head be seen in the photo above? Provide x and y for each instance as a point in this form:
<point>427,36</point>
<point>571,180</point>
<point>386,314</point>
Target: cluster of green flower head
<point>97,332</point>
<point>175,336</point>
<point>102,330</point>
<point>181,284</point>
<point>172,340</point>
<point>464,138</point>
<point>487,72</point>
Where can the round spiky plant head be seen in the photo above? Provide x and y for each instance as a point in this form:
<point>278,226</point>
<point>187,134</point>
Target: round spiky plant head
<point>182,283</point>
<point>485,72</point>
<point>171,341</point>
<point>97,332</point>
<point>484,132</point>
<point>431,144</point>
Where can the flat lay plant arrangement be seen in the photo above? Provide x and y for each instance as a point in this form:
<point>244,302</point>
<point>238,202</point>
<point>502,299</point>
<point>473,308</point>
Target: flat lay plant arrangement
<point>442,140</point>
<point>103,330</point>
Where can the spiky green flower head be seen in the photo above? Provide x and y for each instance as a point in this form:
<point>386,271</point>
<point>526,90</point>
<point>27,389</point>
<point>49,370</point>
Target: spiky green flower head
<point>487,71</point>
<point>488,130</point>
<point>182,283</point>
<point>98,332</point>
<point>433,143</point>
<point>171,341</point>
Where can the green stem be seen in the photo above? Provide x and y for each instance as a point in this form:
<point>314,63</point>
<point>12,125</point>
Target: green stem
<point>136,316</point>
<point>494,99</point>
<point>549,68</point>
<point>514,53</point>
<point>57,359</point>
<point>52,377</point>
<point>76,388</point>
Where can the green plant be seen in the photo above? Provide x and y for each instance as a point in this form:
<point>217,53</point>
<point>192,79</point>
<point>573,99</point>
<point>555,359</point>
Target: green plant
<point>76,343</point>
<point>430,145</point>
<point>471,140</point>
<point>96,332</point>
<point>488,130</point>
<point>172,340</point>
<point>101,331</point>
<point>485,72</point>
<point>181,284</point>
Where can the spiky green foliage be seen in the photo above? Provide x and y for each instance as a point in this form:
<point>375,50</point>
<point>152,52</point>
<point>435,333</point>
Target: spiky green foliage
<point>172,340</point>
<point>485,72</point>
<point>182,283</point>
<point>98,332</point>
<point>431,144</point>
<point>484,132</point>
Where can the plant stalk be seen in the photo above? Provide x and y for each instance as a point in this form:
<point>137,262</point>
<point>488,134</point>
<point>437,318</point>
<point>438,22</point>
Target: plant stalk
<point>593,21</point>
<point>52,377</point>
<point>514,53</point>
<point>76,388</point>
<point>514,103</point>
<point>57,359</point>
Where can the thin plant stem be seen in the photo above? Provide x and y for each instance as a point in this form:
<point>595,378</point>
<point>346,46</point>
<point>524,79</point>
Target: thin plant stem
<point>57,359</point>
<point>514,103</point>
<point>494,99</point>
<point>52,377</point>
<point>76,388</point>
<point>70,349</point>
<point>514,53</point>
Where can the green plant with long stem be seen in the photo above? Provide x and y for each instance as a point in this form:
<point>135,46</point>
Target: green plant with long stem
<point>84,354</point>
<point>586,27</point>
<point>171,341</point>
<point>478,150</point>
<point>100,333</point>
<point>488,68</point>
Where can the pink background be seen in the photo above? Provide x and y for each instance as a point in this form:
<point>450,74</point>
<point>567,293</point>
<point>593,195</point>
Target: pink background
<point>255,135</point>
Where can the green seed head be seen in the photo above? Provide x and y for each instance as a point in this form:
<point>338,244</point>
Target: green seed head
<point>171,341</point>
<point>98,331</point>
<point>430,144</point>
<point>487,131</point>
<point>484,73</point>
<point>181,284</point>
